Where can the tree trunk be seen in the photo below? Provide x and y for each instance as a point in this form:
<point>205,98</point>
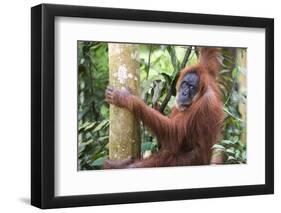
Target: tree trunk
<point>242,61</point>
<point>124,131</point>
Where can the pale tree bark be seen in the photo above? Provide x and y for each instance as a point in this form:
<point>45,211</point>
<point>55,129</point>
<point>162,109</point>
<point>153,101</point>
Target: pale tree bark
<point>124,132</point>
<point>242,61</point>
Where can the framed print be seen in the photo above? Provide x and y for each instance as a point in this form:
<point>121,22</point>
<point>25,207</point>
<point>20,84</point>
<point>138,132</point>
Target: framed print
<point>140,106</point>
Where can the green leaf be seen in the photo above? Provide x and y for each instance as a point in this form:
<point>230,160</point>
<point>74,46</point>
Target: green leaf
<point>101,125</point>
<point>232,115</point>
<point>235,72</point>
<point>99,162</point>
<point>224,71</point>
<point>104,110</point>
<point>217,146</point>
<point>88,142</point>
<point>90,126</point>
<point>167,77</point>
<point>83,125</point>
<point>230,158</point>
<point>227,142</point>
<point>230,150</point>
<point>237,154</point>
<point>103,138</point>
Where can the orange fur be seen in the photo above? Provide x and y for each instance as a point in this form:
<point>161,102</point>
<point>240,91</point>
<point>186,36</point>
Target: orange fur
<point>186,137</point>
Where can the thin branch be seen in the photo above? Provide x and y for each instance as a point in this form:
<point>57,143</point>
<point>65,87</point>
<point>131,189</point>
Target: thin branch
<point>148,63</point>
<point>185,58</point>
<point>148,68</point>
<point>174,82</point>
<point>146,95</point>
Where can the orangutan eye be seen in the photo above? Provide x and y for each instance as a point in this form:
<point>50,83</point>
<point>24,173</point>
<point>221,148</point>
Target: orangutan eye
<point>184,84</point>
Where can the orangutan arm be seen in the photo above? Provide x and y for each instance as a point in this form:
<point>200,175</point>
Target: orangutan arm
<point>158,123</point>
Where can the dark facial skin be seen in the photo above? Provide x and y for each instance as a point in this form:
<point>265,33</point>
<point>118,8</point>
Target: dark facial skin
<point>187,90</point>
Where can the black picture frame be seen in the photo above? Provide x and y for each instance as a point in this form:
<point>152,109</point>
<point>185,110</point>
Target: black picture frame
<point>43,102</point>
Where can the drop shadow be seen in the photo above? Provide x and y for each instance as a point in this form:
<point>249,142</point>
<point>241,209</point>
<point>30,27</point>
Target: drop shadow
<point>25,200</point>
